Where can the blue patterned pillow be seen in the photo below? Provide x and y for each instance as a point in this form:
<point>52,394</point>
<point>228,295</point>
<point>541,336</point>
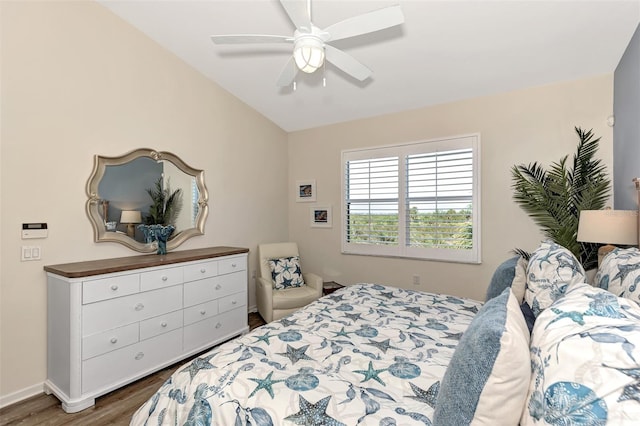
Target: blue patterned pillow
<point>585,354</point>
<point>286,273</point>
<point>552,269</point>
<point>487,378</point>
<point>620,273</point>
<point>502,278</point>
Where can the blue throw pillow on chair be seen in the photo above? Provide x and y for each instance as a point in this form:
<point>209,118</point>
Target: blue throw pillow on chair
<point>286,272</point>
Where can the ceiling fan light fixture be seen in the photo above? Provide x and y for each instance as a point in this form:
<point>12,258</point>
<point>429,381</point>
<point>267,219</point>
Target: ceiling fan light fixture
<point>308,54</point>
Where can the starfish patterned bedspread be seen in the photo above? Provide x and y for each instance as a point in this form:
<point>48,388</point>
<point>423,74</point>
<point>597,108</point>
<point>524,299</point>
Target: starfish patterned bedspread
<point>367,354</point>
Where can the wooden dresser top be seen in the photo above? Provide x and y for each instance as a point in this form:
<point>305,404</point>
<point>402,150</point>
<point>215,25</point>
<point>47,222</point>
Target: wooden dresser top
<point>119,264</point>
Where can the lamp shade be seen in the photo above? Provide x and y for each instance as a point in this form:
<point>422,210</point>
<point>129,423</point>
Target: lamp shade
<point>308,54</point>
<point>130,216</point>
<point>608,227</point>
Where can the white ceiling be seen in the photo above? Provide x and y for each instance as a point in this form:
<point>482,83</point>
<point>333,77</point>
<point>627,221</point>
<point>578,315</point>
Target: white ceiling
<point>445,51</point>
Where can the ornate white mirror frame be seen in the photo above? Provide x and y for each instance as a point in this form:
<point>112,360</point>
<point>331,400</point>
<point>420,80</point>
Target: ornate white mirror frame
<point>95,203</point>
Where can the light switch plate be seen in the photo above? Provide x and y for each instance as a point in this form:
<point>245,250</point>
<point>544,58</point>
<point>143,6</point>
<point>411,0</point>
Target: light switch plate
<point>31,253</point>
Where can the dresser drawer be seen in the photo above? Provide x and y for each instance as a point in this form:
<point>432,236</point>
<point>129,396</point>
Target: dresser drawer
<point>232,264</point>
<point>161,324</point>
<point>109,288</point>
<point>160,278</point>
<point>98,344</point>
<point>132,361</point>
<point>198,271</point>
<point>214,330</point>
<point>200,312</point>
<point>214,288</point>
<point>232,302</point>
<point>101,316</point>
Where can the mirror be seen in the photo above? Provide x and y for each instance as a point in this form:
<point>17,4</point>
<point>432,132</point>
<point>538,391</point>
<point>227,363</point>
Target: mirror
<point>120,197</point>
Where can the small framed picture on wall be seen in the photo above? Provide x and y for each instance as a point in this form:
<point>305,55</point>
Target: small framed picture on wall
<point>321,217</point>
<point>305,190</point>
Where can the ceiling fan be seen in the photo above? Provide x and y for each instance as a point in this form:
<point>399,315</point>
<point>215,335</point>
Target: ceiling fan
<point>310,43</point>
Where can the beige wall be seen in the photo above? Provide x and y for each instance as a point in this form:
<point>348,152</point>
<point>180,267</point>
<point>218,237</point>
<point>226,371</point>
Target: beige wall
<point>519,127</point>
<point>77,81</point>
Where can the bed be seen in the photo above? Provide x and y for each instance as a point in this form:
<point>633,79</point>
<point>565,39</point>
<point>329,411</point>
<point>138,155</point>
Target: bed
<point>545,348</point>
<point>367,354</point>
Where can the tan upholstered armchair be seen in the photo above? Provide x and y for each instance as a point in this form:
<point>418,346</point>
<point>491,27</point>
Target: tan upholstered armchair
<point>275,304</point>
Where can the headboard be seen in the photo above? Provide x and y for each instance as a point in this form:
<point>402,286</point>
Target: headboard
<point>637,182</point>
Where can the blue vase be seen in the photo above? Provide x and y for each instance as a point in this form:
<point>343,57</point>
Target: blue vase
<point>159,233</point>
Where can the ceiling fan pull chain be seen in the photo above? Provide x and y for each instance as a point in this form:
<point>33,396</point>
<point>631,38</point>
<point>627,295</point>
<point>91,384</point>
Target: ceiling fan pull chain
<point>324,74</point>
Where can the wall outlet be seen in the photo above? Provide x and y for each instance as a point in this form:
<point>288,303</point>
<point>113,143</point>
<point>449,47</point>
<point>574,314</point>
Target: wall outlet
<point>416,280</point>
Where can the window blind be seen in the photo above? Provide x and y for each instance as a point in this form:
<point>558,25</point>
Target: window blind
<point>372,201</point>
<point>439,199</point>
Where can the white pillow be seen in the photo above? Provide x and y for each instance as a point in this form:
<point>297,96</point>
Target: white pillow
<point>519,282</point>
<point>585,350</point>
<point>619,273</point>
<point>487,378</point>
<point>552,269</point>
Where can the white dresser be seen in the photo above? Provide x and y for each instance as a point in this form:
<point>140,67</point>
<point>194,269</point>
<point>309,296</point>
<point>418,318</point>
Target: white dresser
<point>113,321</point>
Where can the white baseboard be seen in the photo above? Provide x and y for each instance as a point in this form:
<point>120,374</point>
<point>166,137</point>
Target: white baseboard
<point>18,396</point>
<point>253,309</point>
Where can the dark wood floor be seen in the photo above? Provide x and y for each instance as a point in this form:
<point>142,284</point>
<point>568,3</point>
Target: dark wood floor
<point>115,408</point>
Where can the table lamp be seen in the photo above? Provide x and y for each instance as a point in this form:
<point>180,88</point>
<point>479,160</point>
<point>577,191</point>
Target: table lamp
<point>608,227</point>
<point>131,217</point>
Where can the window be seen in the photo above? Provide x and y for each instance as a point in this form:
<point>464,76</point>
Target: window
<point>418,200</point>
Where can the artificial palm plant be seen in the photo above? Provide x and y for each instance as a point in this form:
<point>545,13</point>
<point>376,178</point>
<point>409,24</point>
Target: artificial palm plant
<point>554,198</point>
<point>166,204</point>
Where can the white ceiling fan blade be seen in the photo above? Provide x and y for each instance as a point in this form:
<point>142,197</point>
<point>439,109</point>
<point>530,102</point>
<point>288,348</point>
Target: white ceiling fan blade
<point>366,23</point>
<point>288,73</point>
<point>250,39</point>
<point>347,63</point>
<point>298,11</point>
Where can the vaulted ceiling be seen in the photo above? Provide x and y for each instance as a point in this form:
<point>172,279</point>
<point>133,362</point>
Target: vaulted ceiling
<point>445,51</point>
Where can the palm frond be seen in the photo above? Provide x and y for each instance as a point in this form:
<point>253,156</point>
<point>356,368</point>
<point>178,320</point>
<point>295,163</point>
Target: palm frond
<point>522,253</point>
<point>166,204</point>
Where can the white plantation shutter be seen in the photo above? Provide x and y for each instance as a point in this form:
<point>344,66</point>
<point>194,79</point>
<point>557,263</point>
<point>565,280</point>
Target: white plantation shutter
<point>372,197</point>
<point>413,200</point>
<point>440,183</point>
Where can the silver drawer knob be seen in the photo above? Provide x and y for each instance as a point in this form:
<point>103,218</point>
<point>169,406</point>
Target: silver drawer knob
<point>139,307</point>
<point>203,312</point>
<point>203,270</point>
<point>233,265</point>
<point>163,324</point>
<point>114,287</point>
<point>139,356</point>
<point>114,340</point>
<point>164,278</point>
<point>234,302</point>
<point>218,325</point>
<point>218,287</point>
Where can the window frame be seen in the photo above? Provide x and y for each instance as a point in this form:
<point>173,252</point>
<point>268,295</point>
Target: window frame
<point>401,151</point>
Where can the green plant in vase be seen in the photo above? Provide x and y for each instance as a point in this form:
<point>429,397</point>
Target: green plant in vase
<point>554,198</point>
<point>163,212</point>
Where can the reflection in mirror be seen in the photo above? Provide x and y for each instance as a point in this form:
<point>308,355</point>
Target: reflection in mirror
<point>120,193</point>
